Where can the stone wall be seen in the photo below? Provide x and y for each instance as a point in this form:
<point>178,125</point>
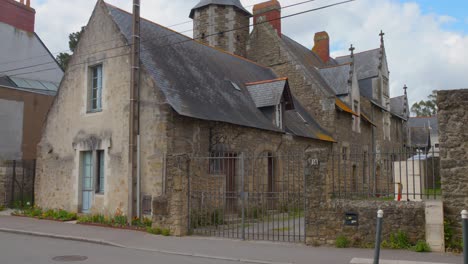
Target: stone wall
<point>453,131</point>
<point>3,171</point>
<point>328,222</point>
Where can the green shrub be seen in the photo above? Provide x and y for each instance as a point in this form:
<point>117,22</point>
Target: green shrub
<point>2,208</point>
<point>206,218</point>
<point>342,242</point>
<point>84,219</point>
<point>99,219</point>
<point>154,231</point>
<point>120,220</point>
<point>397,240</point>
<point>451,244</point>
<point>166,232</point>
<point>147,221</point>
<point>422,246</point>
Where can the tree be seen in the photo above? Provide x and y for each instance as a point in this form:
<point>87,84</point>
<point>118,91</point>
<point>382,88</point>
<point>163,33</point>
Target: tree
<point>426,108</point>
<point>63,58</point>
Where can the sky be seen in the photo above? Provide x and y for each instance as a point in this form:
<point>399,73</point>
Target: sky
<point>426,40</point>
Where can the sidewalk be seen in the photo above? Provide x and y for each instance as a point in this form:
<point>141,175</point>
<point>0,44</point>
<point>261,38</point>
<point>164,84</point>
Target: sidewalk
<point>250,252</point>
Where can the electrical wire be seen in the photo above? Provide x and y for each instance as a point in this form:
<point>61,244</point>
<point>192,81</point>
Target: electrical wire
<point>189,39</point>
<point>144,40</point>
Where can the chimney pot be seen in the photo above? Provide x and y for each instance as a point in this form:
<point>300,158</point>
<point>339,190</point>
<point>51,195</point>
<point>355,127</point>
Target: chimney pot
<point>322,45</point>
<point>268,11</point>
<point>18,14</point>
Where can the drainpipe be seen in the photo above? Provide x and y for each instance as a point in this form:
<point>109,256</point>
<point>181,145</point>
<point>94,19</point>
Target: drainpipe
<point>138,209</point>
<point>374,149</point>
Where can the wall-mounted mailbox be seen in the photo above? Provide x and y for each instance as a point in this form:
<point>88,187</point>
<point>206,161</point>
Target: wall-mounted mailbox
<point>351,219</point>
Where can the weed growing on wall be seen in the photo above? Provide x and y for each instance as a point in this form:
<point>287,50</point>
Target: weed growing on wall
<point>342,242</point>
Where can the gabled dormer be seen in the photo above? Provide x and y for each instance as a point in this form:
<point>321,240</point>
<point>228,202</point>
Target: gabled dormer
<point>273,98</point>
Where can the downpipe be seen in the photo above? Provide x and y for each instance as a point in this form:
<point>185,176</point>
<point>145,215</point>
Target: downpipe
<point>138,211</point>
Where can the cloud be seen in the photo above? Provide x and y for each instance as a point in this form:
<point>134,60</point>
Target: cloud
<point>422,52</point>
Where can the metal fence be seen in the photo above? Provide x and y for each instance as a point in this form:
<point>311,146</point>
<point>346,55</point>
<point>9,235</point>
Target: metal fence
<point>18,182</point>
<point>238,195</point>
<point>400,175</point>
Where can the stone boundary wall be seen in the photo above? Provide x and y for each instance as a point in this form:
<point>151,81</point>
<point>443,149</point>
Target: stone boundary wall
<point>325,224</point>
<point>453,133</point>
<point>3,171</point>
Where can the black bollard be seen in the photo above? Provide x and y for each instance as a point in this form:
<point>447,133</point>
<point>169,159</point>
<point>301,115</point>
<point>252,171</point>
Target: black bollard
<point>378,234</point>
<point>464,215</point>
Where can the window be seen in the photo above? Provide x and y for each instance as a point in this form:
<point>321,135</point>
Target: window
<point>356,119</point>
<point>385,86</point>
<point>100,171</point>
<point>216,160</point>
<point>279,115</point>
<point>344,153</point>
<point>95,92</point>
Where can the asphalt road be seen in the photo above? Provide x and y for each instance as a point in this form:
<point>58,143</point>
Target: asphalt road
<point>19,249</point>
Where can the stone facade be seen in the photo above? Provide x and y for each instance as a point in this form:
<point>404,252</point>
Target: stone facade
<point>453,127</point>
<point>224,27</point>
<point>71,129</point>
<point>191,141</point>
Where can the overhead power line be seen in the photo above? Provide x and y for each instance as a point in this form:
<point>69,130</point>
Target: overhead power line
<point>189,39</point>
<point>116,39</point>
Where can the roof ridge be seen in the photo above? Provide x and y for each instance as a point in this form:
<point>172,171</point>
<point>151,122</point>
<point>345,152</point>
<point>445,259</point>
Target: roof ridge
<point>267,81</point>
<point>358,53</point>
<point>433,116</point>
<point>334,66</point>
<point>190,39</point>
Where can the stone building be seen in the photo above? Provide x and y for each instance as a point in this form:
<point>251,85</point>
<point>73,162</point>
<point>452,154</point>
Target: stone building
<point>195,100</point>
<point>29,78</point>
<point>225,92</point>
<point>349,95</point>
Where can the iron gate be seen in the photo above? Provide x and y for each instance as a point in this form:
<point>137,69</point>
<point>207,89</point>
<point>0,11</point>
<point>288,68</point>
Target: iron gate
<point>242,196</point>
<point>18,183</point>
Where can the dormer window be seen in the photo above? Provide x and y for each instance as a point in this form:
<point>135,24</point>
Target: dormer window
<point>273,98</point>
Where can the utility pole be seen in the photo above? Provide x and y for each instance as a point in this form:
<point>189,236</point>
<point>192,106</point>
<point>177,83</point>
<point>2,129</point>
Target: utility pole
<point>134,118</point>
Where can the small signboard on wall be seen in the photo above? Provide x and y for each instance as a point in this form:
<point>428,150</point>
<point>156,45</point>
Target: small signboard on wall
<point>351,219</point>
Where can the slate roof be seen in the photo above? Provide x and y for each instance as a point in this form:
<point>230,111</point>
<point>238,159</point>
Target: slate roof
<point>366,63</point>
<point>204,3</point>
<point>419,137</point>
<point>24,55</point>
<point>40,87</point>
<point>337,78</point>
<point>425,122</point>
<point>300,122</point>
<point>397,106</point>
<point>309,60</point>
<point>197,79</point>
<point>267,94</point>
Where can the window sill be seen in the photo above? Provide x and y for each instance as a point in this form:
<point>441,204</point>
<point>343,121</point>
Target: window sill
<point>100,194</point>
<point>93,111</point>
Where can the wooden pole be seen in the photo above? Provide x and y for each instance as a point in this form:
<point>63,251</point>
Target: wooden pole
<point>134,112</point>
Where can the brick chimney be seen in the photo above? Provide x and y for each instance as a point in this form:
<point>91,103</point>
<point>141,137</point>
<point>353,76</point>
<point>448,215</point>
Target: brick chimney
<point>322,46</point>
<point>268,11</point>
<point>18,14</point>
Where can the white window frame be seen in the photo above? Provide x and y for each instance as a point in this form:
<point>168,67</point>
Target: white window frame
<point>95,86</point>
<point>279,115</point>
